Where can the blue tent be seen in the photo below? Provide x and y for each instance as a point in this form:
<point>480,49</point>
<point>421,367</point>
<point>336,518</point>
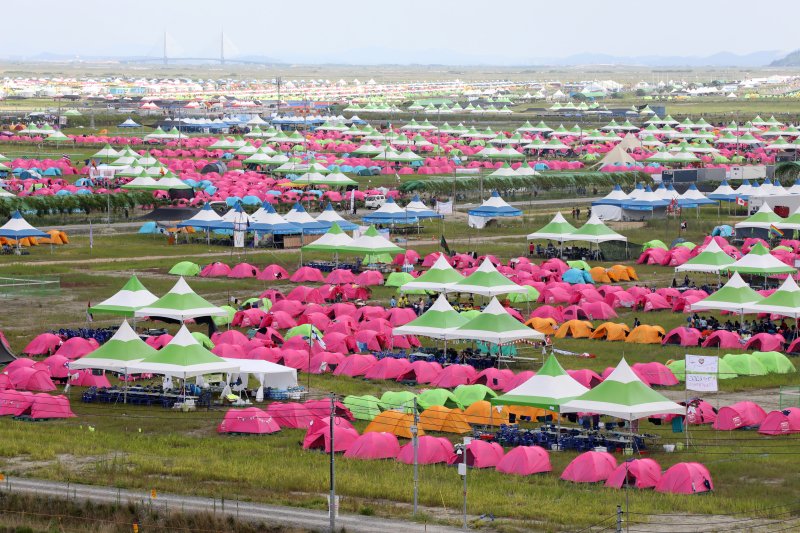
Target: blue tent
<point>299,217</point>
<point>17,228</point>
<point>575,276</point>
<point>149,228</point>
<point>130,123</point>
<point>273,223</point>
<point>344,224</point>
<point>84,182</point>
<point>52,171</point>
<point>206,218</point>
<point>722,231</point>
<point>495,207</point>
<point>391,213</point>
<point>232,201</point>
<point>251,200</point>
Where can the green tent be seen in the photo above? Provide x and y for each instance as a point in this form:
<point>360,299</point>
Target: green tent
<point>398,279</point>
<point>495,325</point>
<point>580,264</point>
<point>371,242</point>
<point>775,362</point>
<point>363,407</point>
<point>436,322</point>
<point>485,281</point>
<point>395,400</point>
<point>678,368</point>
<point>132,296</point>
<point>745,364</point>
<point>712,259</point>
<point>531,295</point>
<point>180,303</point>
<point>548,389</point>
<point>203,339</point>
<point>225,319</point>
<point>623,395</point>
<point>437,278</point>
<point>655,243</point>
<point>784,302</point>
<point>430,397</point>
<point>595,231</point>
<point>183,358</point>
<point>333,241</point>
<point>759,261</point>
<point>303,330</point>
<point>185,268</point>
<point>735,296</point>
<point>466,395</point>
<point>117,353</point>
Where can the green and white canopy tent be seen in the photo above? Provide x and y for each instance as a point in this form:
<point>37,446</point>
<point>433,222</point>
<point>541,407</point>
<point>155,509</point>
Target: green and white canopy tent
<point>595,231</point>
<point>623,395</point>
<point>712,260</point>
<point>372,242</point>
<point>548,389</point>
<point>131,297</point>
<point>332,241</point>
<point>436,323</point>
<point>734,296</point>
<point>118,353</point>
<point>784,302</point>
<point>761,219</point>
<point>437,278</point>
<point>759,261</point>
<point>184,357</point>
<point>496,326</point>
<point>485,281</point>
<point>180,303</point>
<point>557,229</point>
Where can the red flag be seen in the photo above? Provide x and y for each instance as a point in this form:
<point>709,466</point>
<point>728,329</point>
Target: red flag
<point>741,201</point>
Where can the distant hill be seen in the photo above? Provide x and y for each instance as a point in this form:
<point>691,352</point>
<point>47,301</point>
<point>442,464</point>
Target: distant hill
<point>791,60</point>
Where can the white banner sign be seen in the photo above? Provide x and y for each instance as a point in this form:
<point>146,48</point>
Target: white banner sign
<point>707,364</point>
<point>444,208</point>
<point>701,382</point>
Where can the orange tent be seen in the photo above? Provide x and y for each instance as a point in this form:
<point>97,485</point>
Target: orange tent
<point>393,422</point>
<point>645,334</point>
<point>599,275</point>
<point>532,412</point>
<point>482,413</point>
<point>577,329</point>
<point>543,325</point>
<point>456,422</point>
<point>611,331</point>
<point>28,241</point>
<point>440,418</point>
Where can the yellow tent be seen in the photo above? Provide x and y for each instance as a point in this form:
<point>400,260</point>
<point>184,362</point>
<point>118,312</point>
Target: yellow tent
<point>599,275</point>
<point>483,414</point>
<point>611,331</point>
<point>622,273</point>
<point>645,334</point>
<point>544,325</point>
<point>393,422</point>
<point>577,329</point>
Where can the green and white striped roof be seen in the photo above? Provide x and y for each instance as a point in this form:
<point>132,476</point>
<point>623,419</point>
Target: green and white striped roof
<point>556,229</point>
<point>372,242</point>
<point>496,326</point>
<point>180,303</point>
<point>118,353</point>
<point>759,261</point>
<point>439,320</point>
<point>763,219</point>
<point>594,231</point>
<point>132,296</point>
<point>184,357</point>
<point>333,241</point>
<point>712,259</point>
<point>734,296</point>
<point>623,395</point>
<point>548,389</point>
<point>486,281</point>
<point>784,302</point>
<point>438,277</point>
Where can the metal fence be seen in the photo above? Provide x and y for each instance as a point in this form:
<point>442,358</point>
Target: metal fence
<point>39,286</point>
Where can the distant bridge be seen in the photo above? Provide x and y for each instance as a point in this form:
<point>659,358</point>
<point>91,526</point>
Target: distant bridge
<point>166,58</point>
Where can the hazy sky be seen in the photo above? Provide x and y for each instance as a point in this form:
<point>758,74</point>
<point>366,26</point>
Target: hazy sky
<point>400,30</point>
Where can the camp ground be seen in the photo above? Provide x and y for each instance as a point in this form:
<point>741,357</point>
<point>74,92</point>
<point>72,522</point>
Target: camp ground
<point>433,296</point>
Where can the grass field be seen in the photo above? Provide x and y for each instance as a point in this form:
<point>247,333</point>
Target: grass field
<point>155,448</point>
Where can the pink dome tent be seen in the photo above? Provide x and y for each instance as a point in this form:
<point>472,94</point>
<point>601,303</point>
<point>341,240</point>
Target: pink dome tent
<point>590,467</point>
<point>251,420</point>
<point>77,347</point>
<point>44,344</point>
<point>480,454</point>
<point>525,461</point>
<point>14,402</point>
<point>47,407</point>
<point>453,376</point>
<point>273,273</point>
<point>682,336</point>
<point>685,478</point>
<point>307,274</point>
<point>319,437</point>
<point>31,379</point>
<point>291,415</point>
<point>739,415</point>
<point>388,368</point>
<point>655,373</point>
<point>764,342</point>
<point>374,445</point>
<point>421,372</point>
<point>243,271</point>
<point>782,422</point>
<point>638,473</point>
<point>430,450</point>
<point>494,378</point>
<point>722,339</point>
<point>215,270</point>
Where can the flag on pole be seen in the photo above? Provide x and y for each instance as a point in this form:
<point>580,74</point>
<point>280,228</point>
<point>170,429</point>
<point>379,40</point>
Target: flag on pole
<point>741,201</point>
<point>775,230</point>
<point>315,337</point>
<point>443,244</point>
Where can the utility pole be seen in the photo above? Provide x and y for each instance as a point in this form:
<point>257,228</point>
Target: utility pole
<point>332,502</point>
<point>222,47</point>
<point>415,444</point>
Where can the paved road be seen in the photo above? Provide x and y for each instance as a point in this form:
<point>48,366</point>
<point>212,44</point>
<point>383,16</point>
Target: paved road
<point>269,514</point>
